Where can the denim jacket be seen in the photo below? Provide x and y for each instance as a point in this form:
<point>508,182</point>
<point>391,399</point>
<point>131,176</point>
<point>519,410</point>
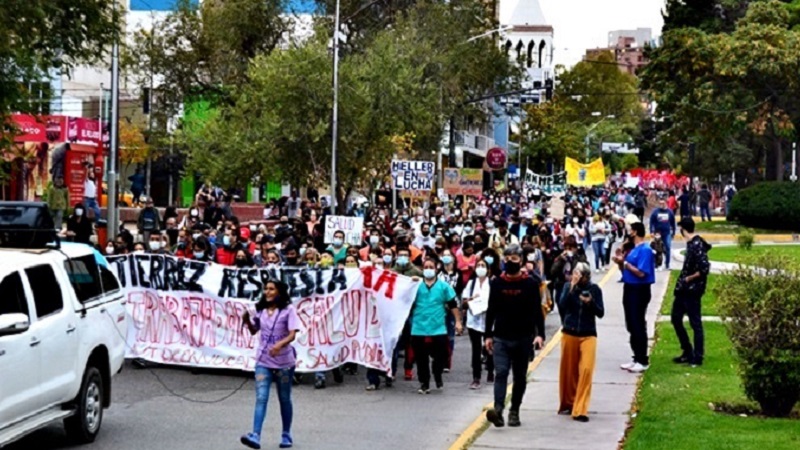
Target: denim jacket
<point>579,317</point>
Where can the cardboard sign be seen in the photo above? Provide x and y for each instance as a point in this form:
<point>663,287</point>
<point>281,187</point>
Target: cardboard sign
<point>463,182</point>
<point>353,228</point>
<point>414,176</point>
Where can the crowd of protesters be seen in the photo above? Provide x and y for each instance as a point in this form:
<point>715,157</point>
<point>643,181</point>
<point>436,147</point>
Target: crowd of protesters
<point>471,257</point>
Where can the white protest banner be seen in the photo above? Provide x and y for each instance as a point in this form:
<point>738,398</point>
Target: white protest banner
<point>413,175</point>
<point>353,228</point>
<point>189,313</point>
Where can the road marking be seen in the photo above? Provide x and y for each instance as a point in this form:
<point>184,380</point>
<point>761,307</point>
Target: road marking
<point>479,425</point>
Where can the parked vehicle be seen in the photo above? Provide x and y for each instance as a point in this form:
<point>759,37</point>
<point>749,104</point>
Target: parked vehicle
<point>62,328</point>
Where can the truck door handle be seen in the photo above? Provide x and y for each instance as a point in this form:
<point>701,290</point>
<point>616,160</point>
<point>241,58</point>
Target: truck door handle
<point>70,329</point>
<point>35,342</point>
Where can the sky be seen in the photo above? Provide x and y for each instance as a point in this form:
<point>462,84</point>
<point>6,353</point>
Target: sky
<point>582,24</point>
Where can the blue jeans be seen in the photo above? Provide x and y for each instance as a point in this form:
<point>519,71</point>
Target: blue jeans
<point>283,384</point>
<point>667,238</point>
<point>91,203</point>
<point>511,356</point>
<point>598,247</point>
<point>705,212</point>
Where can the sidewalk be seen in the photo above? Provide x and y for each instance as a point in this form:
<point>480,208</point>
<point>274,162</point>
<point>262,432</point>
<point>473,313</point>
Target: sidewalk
<point>612,394</point>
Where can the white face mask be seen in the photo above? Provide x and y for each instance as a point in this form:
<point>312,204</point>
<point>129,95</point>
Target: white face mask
<point>110,250</point>
<point>138,252</point>
<point>155,245</point>
<point>532,257</point>
<point>481,271</point>
<point>78,211</point>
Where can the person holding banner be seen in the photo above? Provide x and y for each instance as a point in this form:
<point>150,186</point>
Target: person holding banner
<point>428,326</point>
<point>278,323</point>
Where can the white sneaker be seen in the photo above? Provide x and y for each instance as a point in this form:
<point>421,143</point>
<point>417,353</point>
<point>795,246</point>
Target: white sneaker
<point>627,366</point>
<point>638,368</point>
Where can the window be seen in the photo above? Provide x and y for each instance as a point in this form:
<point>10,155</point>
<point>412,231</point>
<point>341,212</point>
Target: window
<point>84,277</point>
<point>12,295</point>
<point>46,290</point>
<point>108,280</point>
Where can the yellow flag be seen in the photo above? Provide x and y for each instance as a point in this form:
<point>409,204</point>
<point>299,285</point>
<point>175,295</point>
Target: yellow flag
<point>582,175</point>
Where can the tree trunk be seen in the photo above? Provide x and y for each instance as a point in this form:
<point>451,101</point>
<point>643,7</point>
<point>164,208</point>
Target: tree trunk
<point>778,150</point>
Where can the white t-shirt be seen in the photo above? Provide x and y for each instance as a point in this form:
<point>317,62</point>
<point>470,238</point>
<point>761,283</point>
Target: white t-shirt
<point>89,189</point>
<point>477,322</point>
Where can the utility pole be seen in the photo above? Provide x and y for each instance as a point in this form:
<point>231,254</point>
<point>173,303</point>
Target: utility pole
<point>150,117</point>
<point>112,218</point>
<point>335,124</point>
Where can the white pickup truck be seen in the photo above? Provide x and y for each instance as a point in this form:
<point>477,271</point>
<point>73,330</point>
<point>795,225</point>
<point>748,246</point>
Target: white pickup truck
<point>62,333</point>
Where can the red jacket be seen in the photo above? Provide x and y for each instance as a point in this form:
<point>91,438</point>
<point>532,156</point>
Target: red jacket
<point>226,256</point>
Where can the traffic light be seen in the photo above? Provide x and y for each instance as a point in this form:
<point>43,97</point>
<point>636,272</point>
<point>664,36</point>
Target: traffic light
<point>548,89</point>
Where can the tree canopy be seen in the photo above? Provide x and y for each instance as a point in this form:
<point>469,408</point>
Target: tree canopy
<point>39,35</point>
<point>732,93</point>
<point>399,82</point>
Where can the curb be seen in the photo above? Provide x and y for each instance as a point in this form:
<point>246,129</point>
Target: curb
<point>480,424</point>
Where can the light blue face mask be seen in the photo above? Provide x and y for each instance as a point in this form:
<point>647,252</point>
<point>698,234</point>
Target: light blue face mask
<point>387,259</point>
<point>447,259</point>
<point>226,241</point>
<point>489,260</point>
<point>429,273</point>
<point>402,260</point>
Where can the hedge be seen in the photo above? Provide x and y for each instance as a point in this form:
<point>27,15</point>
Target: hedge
<point>769,205</point>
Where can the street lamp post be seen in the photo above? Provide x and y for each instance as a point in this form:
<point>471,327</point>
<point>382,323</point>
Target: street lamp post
<point>335,119</point>
<point>589,132</point>
<point>794,162</point>
<point>451,157</point>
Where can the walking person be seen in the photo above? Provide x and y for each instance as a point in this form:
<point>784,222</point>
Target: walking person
<point>514,327</point>
<point>704,199</point>
<point>638,273</point>
<point>476,299</point>
<point>662,221</point>
<point>278,323</point>
<point>582,302</point>
<point>689,292</point>
<point>598,229</point>
<point>428,328</point>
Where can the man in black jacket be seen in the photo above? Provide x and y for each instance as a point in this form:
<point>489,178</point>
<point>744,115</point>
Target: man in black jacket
<point>514,324</point>
<point>689,291</point>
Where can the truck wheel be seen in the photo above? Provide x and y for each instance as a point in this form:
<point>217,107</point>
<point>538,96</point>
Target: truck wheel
<point>84,425</point>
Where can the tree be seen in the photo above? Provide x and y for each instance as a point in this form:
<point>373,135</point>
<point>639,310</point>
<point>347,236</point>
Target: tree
<point>397,89</point>
<point>732,94</point>
<point>133,149</point>
<point>203,51</point>
<point>712,16</point>
<point>39,35</point>
<point>599,86</point>
<point>560,128</point>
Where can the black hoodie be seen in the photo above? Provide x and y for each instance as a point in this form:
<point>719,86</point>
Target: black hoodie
<point>696,261</point>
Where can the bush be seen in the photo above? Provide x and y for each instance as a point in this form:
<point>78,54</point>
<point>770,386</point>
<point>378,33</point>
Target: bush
<point>745,239</point>
<point>761,308</point>
<point>768,205</point>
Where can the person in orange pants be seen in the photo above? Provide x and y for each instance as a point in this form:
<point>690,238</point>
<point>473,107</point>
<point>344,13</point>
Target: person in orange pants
<point>582,303</point>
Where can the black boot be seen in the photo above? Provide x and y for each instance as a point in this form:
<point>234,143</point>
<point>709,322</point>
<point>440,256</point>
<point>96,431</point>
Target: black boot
<point>513,419</point>
<point>495,417</point>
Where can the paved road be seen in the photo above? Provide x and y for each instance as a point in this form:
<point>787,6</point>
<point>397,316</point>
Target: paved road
<point>144,415</point>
